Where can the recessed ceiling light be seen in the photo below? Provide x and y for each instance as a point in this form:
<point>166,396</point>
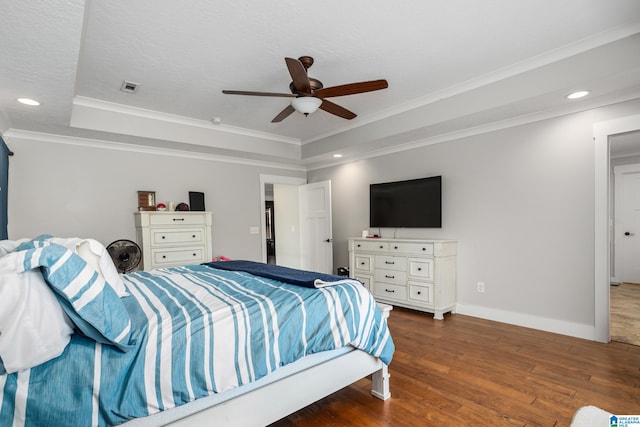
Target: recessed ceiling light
<point>28,101</point>
<point>578,94</point>
<point>337,156</point>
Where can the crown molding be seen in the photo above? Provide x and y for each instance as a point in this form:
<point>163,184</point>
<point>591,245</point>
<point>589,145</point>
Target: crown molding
<point>321,161</point>
<point>18,134</point>
<point>530,64</point>
<point>181,120</point>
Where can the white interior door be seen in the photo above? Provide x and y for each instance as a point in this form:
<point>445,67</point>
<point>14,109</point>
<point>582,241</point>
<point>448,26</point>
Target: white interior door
<point>316,235</point>
<point>288,234</point>
<point>287,225</point>
<point>627,223</point>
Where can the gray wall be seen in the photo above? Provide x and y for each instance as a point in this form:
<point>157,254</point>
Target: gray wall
<point>520,202</point>
<point>71,190</point>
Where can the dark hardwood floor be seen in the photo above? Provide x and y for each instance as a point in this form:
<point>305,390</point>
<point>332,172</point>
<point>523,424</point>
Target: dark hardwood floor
<point>465,371</point>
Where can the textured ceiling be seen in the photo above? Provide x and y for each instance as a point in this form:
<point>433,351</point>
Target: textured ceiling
<point>450,65</point>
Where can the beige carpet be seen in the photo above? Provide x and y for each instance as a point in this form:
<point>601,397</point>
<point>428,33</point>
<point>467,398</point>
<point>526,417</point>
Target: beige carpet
<point>625,313</point>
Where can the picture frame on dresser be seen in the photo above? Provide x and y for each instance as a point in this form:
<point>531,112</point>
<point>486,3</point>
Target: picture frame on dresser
<point>146,200</point>
<point>170,239</point>
<point>413,273</point>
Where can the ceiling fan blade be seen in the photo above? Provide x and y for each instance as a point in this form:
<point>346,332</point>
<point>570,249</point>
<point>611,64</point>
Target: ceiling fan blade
<point>351,88</point>
<point>244,92</point>
<point>283,114</point>
<point>337,110</point>
<point>299,75</point>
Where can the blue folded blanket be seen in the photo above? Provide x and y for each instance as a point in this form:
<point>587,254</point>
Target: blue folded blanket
<point>308,279</point>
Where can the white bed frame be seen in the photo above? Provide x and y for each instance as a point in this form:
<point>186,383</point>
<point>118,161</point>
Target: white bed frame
<point>277,395</point>
<point>267,404</point>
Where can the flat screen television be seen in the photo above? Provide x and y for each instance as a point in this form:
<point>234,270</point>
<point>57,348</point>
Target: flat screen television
<point>412,203</point>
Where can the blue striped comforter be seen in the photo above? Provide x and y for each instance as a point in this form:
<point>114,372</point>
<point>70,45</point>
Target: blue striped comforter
<point>197,331</point>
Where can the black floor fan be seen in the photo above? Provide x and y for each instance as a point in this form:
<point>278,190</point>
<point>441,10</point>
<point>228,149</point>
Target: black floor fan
<point>126,255</point>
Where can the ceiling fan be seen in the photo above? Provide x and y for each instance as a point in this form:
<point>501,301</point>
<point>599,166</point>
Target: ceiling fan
<point>309,94</point>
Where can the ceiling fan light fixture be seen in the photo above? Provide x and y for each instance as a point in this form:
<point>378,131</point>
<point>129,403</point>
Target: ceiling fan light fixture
<point>306,104</point>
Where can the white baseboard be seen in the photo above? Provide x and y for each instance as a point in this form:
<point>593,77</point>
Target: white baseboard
<point>578,330</point>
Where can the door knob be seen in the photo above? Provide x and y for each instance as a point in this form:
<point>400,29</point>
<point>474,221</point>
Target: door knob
<point>328,240</point>
<point>626,233</point>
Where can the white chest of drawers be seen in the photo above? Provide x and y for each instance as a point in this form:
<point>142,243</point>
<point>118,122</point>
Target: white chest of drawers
<point>168,239</point>
<point>412,273</point>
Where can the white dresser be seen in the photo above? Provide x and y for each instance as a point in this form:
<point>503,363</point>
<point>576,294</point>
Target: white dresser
<point>174,238</point>
<point>412,273</point>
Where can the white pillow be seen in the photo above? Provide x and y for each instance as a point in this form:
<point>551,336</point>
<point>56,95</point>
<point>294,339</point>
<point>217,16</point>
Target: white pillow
<point>97,256</point>
<point>8,246</point>
<point>33,326</point>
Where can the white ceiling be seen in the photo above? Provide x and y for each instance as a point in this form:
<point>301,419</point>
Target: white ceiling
<point>451,66</point>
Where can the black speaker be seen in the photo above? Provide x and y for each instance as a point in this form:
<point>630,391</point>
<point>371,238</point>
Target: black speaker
<point>196,201</point>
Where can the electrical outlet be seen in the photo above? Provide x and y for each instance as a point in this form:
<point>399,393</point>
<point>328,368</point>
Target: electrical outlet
<point>481,287</point>
<point>254,230</point>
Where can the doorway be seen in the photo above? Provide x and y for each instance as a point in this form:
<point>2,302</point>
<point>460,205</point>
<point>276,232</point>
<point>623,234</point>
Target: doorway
<point>267,183</point>
<point>270,227</point>
<point>604,133</point>
<point>296,225</point>
<point>626,221</point>
<point>624,297</point>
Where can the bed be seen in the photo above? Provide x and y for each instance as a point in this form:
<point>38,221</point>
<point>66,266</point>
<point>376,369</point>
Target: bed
<point>180,345</point>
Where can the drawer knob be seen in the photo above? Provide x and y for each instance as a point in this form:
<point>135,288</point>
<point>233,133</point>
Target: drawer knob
<point>395,247</point>
<point>424,249</point>
<point>194,236</point>
<point>389,277</point>
<point>381,247</point>
<point>164,237</point>
<point>194,254</point>
<point>419,293</point>
<point>362,263</point>
<point>419,268</point>
<point>389,290</point>
<point>358,245</point>
<point>164,256</point>
<point>389,262</point>
<point>178,219</point>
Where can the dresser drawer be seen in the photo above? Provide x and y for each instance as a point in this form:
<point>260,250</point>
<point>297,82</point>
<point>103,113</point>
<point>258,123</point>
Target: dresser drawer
<point>386,290</point>
<point>391,262</point>
<point>422,268</point>
<point>411,248</point>
<point>366,281</point>
<point>182,256</point>
<point>177,219</point>
<point>422,292</point>
<point>390,276</point>
<point>371,245</point>
<point>364,263</point>
<point>167,236</point>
